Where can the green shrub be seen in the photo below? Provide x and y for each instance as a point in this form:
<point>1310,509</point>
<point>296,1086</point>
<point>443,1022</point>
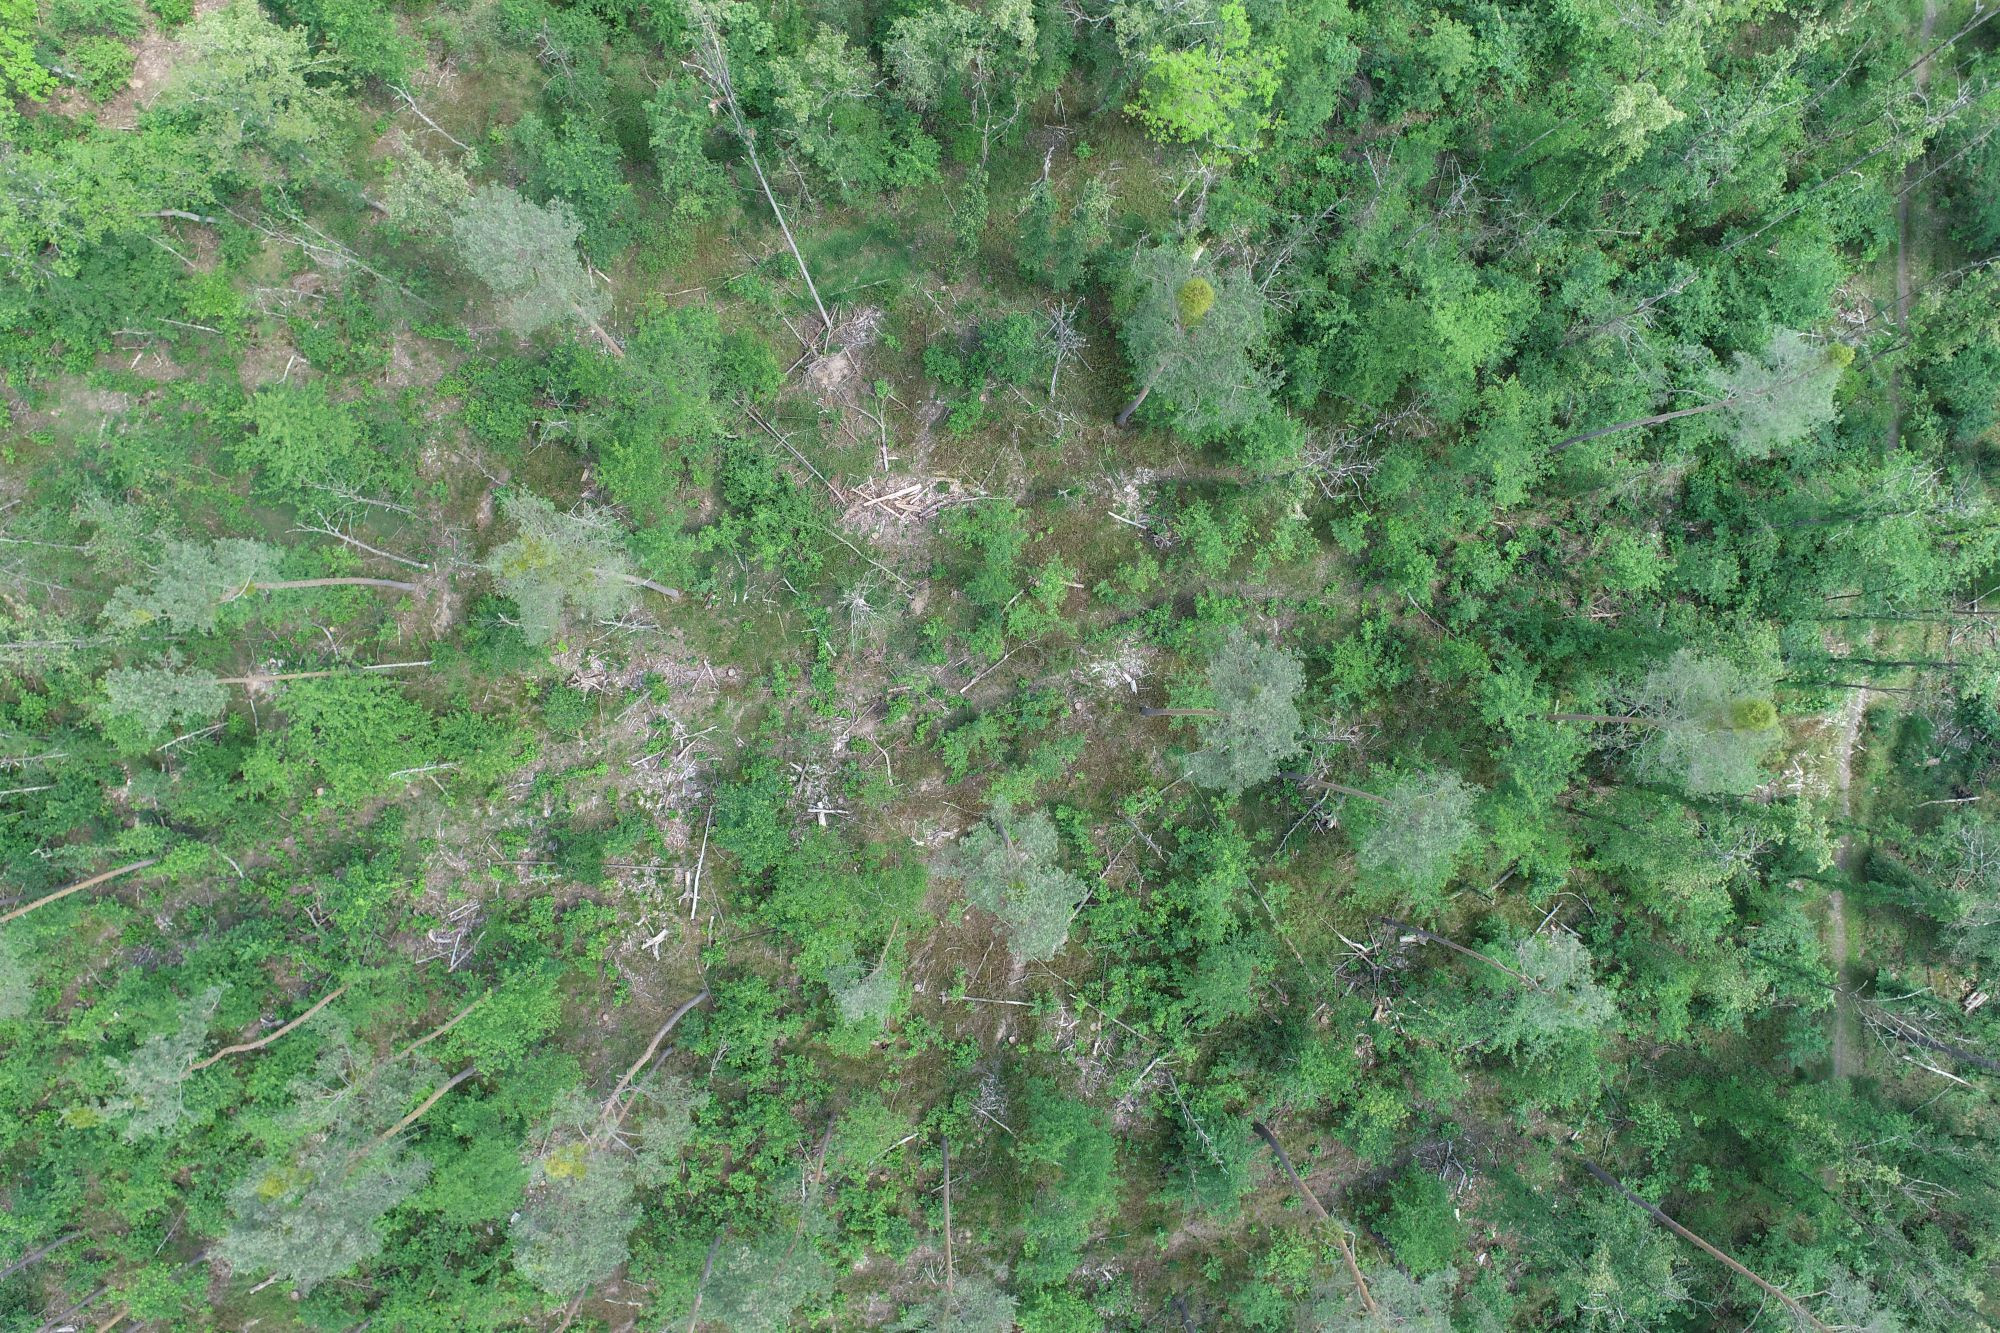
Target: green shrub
<point>567,711</point>
<point>1420,1223</point>
<point>103,65</point>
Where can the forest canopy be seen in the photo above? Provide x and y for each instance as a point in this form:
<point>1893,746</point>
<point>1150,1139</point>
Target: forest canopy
<point>1286,665</point>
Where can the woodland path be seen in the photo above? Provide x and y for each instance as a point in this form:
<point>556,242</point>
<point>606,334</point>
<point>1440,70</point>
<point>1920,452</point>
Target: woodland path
<point>1844,1018</point>
<point>1922,76</point>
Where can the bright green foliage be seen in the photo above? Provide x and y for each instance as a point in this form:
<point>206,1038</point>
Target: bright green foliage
<point>526,252</point>
<point>1011,867</point>
<point>1414,838</point>
<point>559,563</point>
<point>191,584</point>
<point>1216,91</point>
<point>350,734</point>
<point>1711,722</point>
<point>523,1009</point>
<point>103,65</point>
<point>1208,376</point>
<point>22,74</point>
<point>576,161</point>
<point>363,35</point>
<point>299,438</point>
<point>1257,727</point>
<point>1067,1152</point>
<point>678,366</point>
<point>1195,299</point>
<point>243,100</point>
<point>678,126</point>
<point>1632,1275</point>
<point>827,105</point>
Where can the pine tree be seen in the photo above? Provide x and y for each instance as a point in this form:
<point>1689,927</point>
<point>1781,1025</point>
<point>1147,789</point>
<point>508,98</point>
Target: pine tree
<point>194,580</point>
<point>1401,1304</point>
<point>1708,724</point>
<point>1564,1000</point>
<point>974,1304</point>
<point>191,583</point>
<point>1194,338</point>
<point>564,561</point>
<point>423,196</point>
<point>1712,723</point>
<point>580,1211</point>
<point>17,983</point>
<point>318,1215</point>
<point>1254,725</point>
<point>1781,395</point>
<point>151,699</point>
<point>1012,868</point>
<point>315,1211</point>
<point>758,1286</point>
<point>1419,828</point>
<point>152,1077</point>
<point>526,252</point>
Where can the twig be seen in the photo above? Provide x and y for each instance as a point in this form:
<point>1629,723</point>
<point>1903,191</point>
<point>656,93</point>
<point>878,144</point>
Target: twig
<point>403,93</point>
<point>437,1032</point>
<point>944,1146</point>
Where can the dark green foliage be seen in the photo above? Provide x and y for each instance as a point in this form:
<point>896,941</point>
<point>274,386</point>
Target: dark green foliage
<point>1419,1223</point>
<point>363,36</point>
<point>1068,1155</point>
<point>695,188</point>
<point>577,162</point>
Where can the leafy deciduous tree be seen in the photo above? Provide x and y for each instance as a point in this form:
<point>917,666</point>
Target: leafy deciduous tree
<point>1215,91</point>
